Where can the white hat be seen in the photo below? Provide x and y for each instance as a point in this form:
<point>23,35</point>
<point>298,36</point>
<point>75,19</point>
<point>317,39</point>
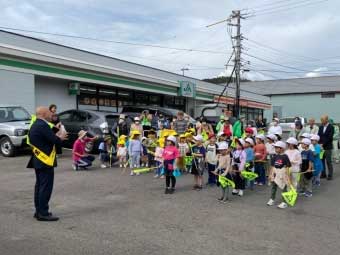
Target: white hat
<point>144,138</point>
<point>171,138</point>
<point>292,140</point>
<point>220,133</point>
<point>315,137</point>
<point>305,135</point>
<point>223,146</point>
<point>306,141</point>
<point>276,119</point>
<point>280,144</point>
<point>122,116</point>
<point>272,137</point>
<point>261,137</point>
<point>249,140</point>
<point>241,141</point>
<point>198,138</point>
<point>278,133</point>
<point>136,119</point>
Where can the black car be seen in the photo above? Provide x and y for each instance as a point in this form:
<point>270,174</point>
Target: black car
<point>133,111</point>
<point>95,123</point>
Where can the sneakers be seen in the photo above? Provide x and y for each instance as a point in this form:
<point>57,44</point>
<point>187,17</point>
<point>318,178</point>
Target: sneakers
<point>166,191</point>
<point>234,192</point>
<point>302,193</point>
<point>103,166</point>
<point>283,205</point>
<point>271,202</point>
<point>308,194</point>
<point>240,193</point>
<point>121,165</point>
<point>131,173</point>
<point>74,167</point>
<point>156,176</point>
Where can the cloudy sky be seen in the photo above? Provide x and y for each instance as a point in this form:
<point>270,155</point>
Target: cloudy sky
<point>283,38</point>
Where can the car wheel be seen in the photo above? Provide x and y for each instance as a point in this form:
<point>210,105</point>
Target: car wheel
<point>7,147</point>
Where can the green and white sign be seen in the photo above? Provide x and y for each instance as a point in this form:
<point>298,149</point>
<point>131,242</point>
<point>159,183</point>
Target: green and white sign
<point>187,89</point>
<point>74,88</point>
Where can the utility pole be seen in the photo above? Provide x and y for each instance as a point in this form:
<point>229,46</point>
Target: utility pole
<point>237,16</point>
<point>184,69</point>
<point>237,50</point>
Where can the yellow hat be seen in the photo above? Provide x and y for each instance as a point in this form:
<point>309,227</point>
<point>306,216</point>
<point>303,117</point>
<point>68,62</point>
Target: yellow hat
<point>122,137</point>
<point>121,143</point>
<point>135,132</point>
<point>182,136</point>
<point>192,130</point>
<point>187,135</point>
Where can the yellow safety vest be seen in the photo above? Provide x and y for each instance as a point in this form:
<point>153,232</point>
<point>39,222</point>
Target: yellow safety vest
<point>39,154</point>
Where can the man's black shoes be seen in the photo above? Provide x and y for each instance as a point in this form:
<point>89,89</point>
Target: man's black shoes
<point>49,217</point>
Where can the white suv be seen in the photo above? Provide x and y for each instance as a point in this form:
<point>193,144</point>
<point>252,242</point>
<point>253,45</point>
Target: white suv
<point>14,124</point>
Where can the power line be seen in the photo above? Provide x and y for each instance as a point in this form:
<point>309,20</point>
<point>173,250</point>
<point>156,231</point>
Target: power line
<point>278,10</point>
<point>112,41</point>
<point>277,64</point>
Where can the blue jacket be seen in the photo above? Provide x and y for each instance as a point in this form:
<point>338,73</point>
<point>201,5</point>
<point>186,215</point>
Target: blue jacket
<point>42,137</point>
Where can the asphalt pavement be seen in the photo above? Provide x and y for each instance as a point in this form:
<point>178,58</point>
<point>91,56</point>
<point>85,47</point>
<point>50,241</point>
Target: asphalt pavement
<point>105,211</point>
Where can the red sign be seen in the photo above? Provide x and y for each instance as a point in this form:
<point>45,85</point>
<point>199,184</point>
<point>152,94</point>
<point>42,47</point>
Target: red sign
<point>243,102</point>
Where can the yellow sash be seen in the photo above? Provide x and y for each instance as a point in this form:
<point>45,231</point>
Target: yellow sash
<point>46,159</point>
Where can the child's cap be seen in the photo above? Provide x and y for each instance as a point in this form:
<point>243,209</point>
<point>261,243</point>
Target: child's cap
<point>171,139</point>
<point>121,143</point>
<point>305,135</point>
<point>272,137</point>
<point>240,141</point>
<point>182,136</point>
<point>292,140</point>
<point>188,135</point>
<point>198,138</point>
<point>250,141</point>
<point>211,136</point>
<point>249,130</point>
<point>107,138</point>
<point>306,141</point>
<point>315,138</point>
<point>135,132</point>
<point>223,146</point>
<point>280,144</point>
<point>261,137</point>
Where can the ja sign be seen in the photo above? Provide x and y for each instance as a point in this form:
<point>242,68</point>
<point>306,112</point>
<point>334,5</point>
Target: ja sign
<point>187,89</point>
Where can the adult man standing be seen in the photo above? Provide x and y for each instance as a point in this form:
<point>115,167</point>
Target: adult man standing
<point>326,132</point>
<point>43,142</point>
<point>181,124</point>
<point>311,128</point>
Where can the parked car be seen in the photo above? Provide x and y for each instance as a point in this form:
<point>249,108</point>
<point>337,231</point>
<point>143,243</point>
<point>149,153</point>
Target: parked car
<point>288,123</point>
<point>132,111</point>
<point>14,124</point>
<point>94,122</point>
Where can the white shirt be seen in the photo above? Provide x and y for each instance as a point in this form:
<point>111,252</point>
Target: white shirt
<point>275,130</point>
<point>295,159</point>
<point>325,127</point>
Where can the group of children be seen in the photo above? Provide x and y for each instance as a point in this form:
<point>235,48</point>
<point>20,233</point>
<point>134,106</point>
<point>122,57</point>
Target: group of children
<point>286,165</point>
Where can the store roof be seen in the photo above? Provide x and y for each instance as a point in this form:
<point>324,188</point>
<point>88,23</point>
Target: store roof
<point>23,46</point>
<point>294,86</point>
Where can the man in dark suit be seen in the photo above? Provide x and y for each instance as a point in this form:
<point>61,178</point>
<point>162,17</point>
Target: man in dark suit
<point>43,141</point>
<point>326,132</point>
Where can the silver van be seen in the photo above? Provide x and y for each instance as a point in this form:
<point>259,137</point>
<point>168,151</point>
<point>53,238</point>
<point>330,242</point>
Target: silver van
<point>14,124</point>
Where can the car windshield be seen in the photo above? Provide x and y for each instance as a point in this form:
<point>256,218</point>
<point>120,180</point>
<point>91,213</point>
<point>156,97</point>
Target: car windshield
<point>10,114</point>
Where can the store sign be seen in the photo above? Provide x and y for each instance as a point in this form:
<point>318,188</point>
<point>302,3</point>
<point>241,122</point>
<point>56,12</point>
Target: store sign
<point>74,88</point>
<point>243,102</point>
<point>187,89</point>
